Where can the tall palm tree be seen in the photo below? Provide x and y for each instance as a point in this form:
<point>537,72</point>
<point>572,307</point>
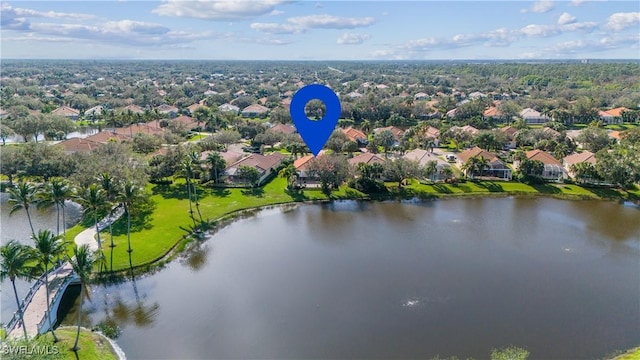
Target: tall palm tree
<point>195,160</point>
<point>82,264</point>
<point>55,193</point>
<point>111,190</point>
<point>186,168</point>
<point>14,264</point>
<point>290,173</point>
<point>93,199</point>
<point>48,246</point>
<point>21,197</point>
<point>130,194</point>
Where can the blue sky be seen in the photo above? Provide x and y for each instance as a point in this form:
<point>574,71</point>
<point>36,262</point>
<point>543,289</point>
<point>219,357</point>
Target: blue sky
<point>321,30</point>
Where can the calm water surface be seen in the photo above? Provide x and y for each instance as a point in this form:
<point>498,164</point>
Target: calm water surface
<point>392,280</point>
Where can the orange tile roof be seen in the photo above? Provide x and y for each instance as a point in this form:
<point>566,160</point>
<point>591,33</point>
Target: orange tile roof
<point>303,162</point>
<point>617,112</point>
<point>475,152</point>
<point>354,134</point>
<point>492,112</point>
<point>543,156</point>
<point>78,144</point>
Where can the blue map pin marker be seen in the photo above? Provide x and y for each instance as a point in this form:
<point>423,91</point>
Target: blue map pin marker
<point>315,133</point>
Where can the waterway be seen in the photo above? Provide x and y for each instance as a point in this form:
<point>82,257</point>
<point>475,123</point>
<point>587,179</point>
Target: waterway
<point>372,280</point>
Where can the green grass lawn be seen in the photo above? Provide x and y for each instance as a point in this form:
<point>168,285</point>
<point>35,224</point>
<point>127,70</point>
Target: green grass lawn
<point>91,346</point>
<point>169,222</point>
<point>197,137</point>
<point>632,354</point>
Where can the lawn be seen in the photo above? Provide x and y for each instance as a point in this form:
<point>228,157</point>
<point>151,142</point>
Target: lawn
<point>91,346</point>
<point>169,222</point>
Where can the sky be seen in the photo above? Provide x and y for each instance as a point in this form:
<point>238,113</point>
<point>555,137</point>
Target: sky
<point>320,30</point>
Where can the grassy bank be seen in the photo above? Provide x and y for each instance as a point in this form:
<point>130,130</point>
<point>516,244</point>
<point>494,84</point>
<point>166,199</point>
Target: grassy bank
<point>91,346</point>
<point>166,227</point>
<point>632,354</point>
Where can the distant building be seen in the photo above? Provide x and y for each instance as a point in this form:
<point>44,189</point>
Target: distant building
<point>254,111</point>
<point>229,108</point>
<point>531,116</point>
<point>67,112</point>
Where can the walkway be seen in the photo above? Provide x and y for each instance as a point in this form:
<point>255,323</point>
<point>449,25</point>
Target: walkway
<point>88,236</point>
<point>35,303</point>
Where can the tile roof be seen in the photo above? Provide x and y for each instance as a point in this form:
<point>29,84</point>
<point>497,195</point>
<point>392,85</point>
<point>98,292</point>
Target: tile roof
<point>104,136</point>
<point>543,156</point>
<point>78,144</point>
<point>367,158</point>
<point>283,128</point>
<point>575,158</point>
<point>303,162</point>
<point>475,152</point>
<point>255,108</point>
<point>354,134</point>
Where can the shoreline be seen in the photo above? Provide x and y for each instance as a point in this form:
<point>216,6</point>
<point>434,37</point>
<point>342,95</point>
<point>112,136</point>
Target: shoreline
<point>214,225</point>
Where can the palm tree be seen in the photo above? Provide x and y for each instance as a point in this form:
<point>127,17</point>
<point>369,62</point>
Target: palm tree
<point>55,193</point>
<point>128,197</point>
<point>82,264</point>
<point>111,190</point>
<point>290,173</point>
<point>482,165</point>
<point>48,246</point>
<point>430,169</point>
<point>93,199</point>
<point>21,197</point>
<point>15,264</point>
<point>186,167</point>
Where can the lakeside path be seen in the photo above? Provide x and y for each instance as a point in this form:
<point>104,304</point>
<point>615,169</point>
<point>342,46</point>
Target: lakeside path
<point>88,236</point>
<point>165,229</point>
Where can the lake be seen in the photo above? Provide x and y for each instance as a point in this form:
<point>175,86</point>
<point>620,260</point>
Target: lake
<point>391,280</point>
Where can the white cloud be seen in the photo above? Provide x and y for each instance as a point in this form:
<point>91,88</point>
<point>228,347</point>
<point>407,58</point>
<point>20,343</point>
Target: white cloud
<point>217,10</point>
<point>606,43</point>
<point>541,6</point>
<point>578,2</point>
<point>621,21</point>
<point>540,30</point>
<point>123,32</point>
<point>274,28</point>
<point>352,38</point>
<point>566,18</point>
<point>276,12</point>
<point>331,22</point>
<point>11,12</point>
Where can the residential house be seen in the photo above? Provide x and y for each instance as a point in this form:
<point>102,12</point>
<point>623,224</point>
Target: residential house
<point>283,129</point>
<point>193,107</point>
<point>78,144</point>
<point>614,135</point>
<point>67,112</point>
<point>229,108</point>
<point>397,133</point>
<point>304,179</point>
<point>497,168</point>
<point>366,158</point>
<point>94,111</point>
<point>553,169</point>
<point>423,157</point>
<point>420,96</point>
<point>613,116</point>
<point>265,164</point>
<point>576,158</point>
<point>104,136</point>
<point>467,128</point>
<point>135,109</point>
<point>187,122</point>
<point>511,133</point>
<point>531,116</point>
<point>254,111</point>
<point>492,113</point>
<point>355,135</point>
<point>172,111</point>
<point>144,128</point>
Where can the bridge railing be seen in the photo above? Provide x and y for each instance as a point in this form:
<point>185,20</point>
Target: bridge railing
<point>59,292</point>
<point>27,299</point>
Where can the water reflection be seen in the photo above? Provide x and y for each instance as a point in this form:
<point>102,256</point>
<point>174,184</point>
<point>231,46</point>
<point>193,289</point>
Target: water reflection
<point>391,280</point>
